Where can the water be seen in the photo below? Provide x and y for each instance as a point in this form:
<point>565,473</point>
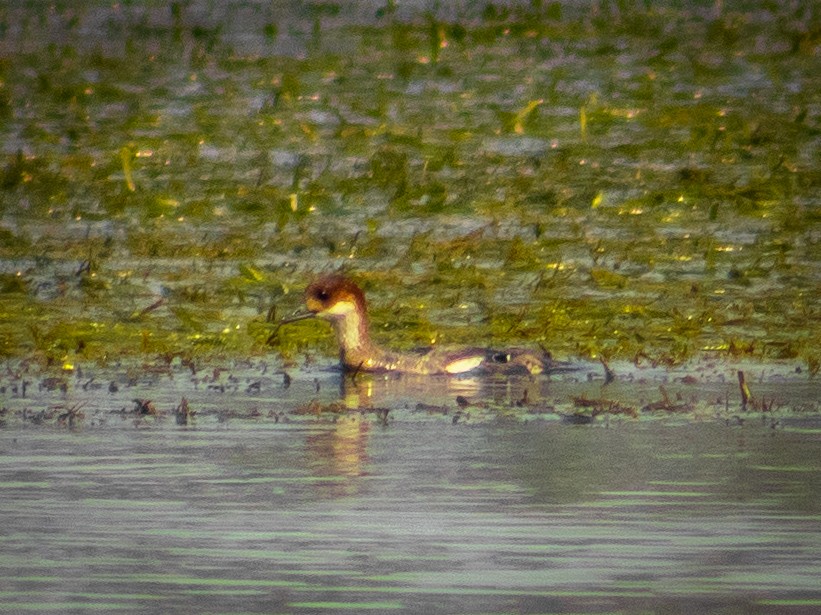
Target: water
<point>417,513</point>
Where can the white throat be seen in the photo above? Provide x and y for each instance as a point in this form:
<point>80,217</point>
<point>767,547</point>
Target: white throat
<point>348,324</point>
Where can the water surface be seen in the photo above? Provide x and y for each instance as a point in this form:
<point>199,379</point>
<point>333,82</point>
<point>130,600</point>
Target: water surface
<point>414,513</point>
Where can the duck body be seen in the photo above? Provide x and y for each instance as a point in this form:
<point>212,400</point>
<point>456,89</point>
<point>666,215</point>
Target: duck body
<point>340,301</point>
<point>434,360</point>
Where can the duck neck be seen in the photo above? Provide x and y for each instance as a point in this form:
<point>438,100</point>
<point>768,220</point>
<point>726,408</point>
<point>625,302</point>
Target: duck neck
<point>353,337</point>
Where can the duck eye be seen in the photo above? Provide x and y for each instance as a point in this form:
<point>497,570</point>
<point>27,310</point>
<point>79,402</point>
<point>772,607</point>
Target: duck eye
<point>322,295</point>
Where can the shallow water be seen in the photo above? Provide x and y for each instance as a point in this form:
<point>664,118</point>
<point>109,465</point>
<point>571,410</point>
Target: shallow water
<point>501,511</point>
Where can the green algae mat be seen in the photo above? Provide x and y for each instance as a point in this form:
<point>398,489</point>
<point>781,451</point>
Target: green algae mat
<point>634,181</point>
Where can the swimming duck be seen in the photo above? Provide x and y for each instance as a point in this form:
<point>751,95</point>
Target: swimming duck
<point>337,299</point>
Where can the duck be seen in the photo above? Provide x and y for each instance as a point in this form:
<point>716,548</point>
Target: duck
<point>336,298</point>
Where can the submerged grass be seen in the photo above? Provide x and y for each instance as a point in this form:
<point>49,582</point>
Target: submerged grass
<point>634,182</point>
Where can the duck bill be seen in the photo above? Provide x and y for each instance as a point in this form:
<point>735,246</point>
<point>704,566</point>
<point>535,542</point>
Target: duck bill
<point>296,317</point>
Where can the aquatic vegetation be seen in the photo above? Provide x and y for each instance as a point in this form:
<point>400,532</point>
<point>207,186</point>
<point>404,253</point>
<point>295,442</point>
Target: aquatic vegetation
<point>635,182</point>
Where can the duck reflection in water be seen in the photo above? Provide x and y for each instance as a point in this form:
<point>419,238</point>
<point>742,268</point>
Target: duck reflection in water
<point>338,455</point>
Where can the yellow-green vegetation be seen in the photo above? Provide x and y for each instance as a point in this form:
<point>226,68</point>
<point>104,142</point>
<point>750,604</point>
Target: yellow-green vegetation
<point>640,181</point>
